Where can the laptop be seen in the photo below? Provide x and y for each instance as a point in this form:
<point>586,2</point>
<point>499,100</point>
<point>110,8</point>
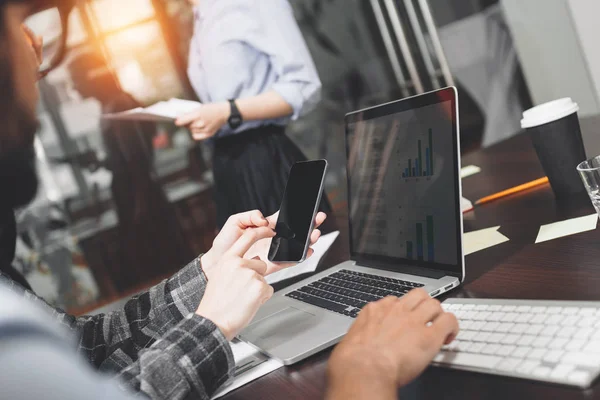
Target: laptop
<point>405,226</point>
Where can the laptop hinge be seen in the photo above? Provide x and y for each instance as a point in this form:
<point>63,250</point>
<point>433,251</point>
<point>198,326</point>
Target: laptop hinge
<point>411,270</point>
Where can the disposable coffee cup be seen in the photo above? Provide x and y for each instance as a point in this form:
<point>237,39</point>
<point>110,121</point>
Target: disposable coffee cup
<point>556,136</point>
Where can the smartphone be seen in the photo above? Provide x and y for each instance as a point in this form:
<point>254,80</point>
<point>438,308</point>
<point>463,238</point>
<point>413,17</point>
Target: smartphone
<point>298,210</point>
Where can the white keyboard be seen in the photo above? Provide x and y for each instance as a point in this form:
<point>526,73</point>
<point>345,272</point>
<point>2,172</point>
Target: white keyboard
<point>549,341</point>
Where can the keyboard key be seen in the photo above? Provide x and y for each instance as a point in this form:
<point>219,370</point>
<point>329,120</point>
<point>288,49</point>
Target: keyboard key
<point>490,349</point>
<point>570,310</point>
<point>541,372</point>
<point>510,339</point>
<point>521,351</point>
<point>589,360</point>
<point>527,366</point>
<point>526,340</point>
<point>593,346</point>
<point>496,316</point>
<point>583,333</point>
<point>537,354</point>
<point>322,303</point>
<point>541,341</point>
<point>476,347</point>
<point>587,311</point>
<point>509,317</point>
<point>524,318</point>
<point>495,307</point>
<point>490,327</point>
<point>522,309</point>
<point>468,360</point>
<point>477,325</point>
<point>587,322</point>
<point>505,327</point>
<point>554,320</point>
<point>554,310</point>
<point>519,328</point>
<point>553,356</point>
<point>571,320</point>
<point>481,337</point>
<point>496,338</point>
<point>538,309</point>
<point>575,345</point>
<point>539,318</point>
<point>481,307</point>
<point>505,350</point>
<point>509,364</point>
<point>579,377</point>
<point>508,308</point>
<point>550,330</point>
<point>534,329</point>
<point>566,332</point>
<point>562,371</point>
<point>466,335</point>
<point>558,343</point>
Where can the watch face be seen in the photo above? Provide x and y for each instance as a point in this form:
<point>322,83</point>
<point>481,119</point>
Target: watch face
<point>235,121</point>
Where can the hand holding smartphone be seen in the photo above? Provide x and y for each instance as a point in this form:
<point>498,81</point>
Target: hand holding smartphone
<point>298,210</point>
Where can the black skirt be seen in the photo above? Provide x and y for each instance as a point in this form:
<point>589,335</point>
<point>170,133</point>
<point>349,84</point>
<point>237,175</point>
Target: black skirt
<point>251,170</point>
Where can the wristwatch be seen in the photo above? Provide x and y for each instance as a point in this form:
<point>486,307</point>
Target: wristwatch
<point>235,118</point>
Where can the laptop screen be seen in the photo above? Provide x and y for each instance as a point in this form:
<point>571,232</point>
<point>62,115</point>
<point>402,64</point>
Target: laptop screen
<point>403,183</point>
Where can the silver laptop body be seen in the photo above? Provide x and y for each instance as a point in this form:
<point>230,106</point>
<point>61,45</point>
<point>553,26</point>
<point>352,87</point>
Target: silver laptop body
<point>426,196</point>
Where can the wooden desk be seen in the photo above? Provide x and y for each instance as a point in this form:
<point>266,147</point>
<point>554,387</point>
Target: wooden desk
<point>567,268</point>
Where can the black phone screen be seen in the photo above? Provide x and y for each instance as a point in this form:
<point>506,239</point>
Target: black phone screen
<point>297,211</point>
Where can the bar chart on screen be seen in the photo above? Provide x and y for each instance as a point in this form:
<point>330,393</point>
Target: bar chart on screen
<point>422,247</point>
<point>423,163</point>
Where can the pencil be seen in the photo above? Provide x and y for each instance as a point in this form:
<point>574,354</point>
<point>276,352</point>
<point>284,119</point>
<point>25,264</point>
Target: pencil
<point>516,189</point>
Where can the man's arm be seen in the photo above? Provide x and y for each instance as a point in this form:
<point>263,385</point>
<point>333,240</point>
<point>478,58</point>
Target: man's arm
<point>112,341</point>
<point>391,342</point>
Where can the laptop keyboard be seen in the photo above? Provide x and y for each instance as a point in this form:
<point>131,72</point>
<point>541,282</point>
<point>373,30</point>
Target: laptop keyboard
<point>551,341</point>
<point>347,292</point>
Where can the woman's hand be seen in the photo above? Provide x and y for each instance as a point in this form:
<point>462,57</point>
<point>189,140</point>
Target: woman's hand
<point>235,227</point>
<point>206,121</point>
<point>36,42</point>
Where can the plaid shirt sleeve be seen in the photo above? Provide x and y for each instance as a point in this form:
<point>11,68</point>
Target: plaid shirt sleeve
<point>192,355</point>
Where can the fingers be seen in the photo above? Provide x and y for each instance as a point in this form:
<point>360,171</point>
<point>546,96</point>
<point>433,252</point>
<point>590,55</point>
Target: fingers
<point>273,220</point>
<point>188,118</point>
<point>248,219</point>
<point>320,218</point>
<point>256,265</point>
<point>412,299</point>
<point>428,311</point>
<point>445,328</point>
<point>314,236</point>
<point>198,137</point>
<point>248,238</point>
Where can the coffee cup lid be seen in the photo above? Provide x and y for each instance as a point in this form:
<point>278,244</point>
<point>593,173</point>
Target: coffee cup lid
<point>548,112</point>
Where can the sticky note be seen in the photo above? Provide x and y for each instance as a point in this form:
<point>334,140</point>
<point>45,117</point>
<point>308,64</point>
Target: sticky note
<point>567,228</point>
<point>469,170</point>
<point>482,239</point>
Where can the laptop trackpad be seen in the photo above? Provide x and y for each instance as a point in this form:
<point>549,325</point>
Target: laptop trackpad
<point>280,327</point>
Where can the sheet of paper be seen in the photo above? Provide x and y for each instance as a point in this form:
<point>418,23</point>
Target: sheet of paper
<point>465,205</point>
<point>250,365</point>
<point>469,170</point>
<point>310,265</point>
<point>482,239</point>
<point>566,228</point>
<point>162,111</point>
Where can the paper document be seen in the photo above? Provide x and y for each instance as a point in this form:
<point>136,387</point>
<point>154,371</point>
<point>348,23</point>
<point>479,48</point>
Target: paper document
<point>250,365</point>
<point>465,205</point>
<point>469,170</point>
<point>482,239</point>
<point>167,111</point>
<point>566,228</point>
<point>310,265</point>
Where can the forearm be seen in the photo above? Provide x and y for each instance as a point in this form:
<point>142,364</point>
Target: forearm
<point>193,359</point>
<point>265,106</point>
<point>143,319</point>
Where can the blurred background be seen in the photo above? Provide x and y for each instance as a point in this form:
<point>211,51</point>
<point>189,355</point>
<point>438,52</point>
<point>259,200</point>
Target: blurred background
<point>78,247</point>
